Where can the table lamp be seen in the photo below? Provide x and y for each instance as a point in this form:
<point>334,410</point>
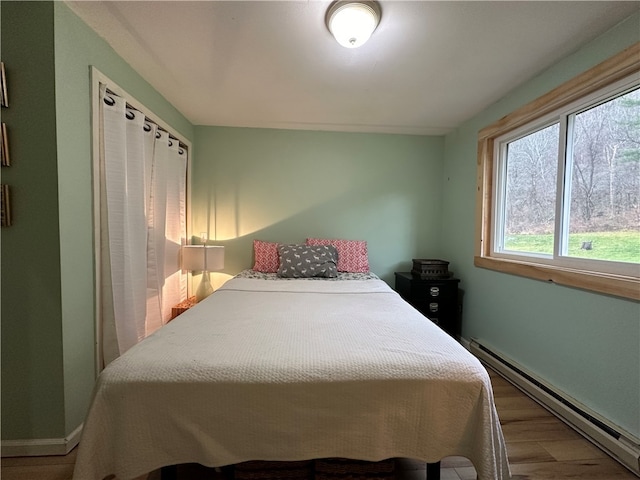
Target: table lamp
<point>206,258</point>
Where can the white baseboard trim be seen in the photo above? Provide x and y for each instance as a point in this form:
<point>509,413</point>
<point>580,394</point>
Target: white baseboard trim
<point>38,447</point>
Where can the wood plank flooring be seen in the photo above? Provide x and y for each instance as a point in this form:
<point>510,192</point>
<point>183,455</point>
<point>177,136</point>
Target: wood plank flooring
<point>540,447</point>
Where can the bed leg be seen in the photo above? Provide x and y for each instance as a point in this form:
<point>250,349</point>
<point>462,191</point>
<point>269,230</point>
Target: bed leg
<point>169,472</point>
<point>433,471</point>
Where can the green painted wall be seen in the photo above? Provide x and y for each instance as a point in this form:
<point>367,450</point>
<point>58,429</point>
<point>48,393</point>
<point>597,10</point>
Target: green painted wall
<point>48,320</point>
<point>584,343</point>
<point>284,185</point>
<point>32,367</point>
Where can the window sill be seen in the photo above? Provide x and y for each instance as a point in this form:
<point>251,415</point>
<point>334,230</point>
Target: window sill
<point>616,285</point>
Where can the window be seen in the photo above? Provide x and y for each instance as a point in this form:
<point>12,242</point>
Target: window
<point>559,184</point>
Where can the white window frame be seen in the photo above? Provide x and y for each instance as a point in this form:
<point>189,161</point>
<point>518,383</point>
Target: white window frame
<point>499,179</point>
<point>603,81</point>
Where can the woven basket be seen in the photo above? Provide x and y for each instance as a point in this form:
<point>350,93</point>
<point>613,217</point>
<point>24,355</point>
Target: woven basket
<point>430,268</point>
<point>264,470</point>
<point>347,469</point>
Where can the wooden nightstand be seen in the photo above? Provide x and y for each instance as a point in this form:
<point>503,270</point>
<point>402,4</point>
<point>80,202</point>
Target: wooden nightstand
<point>435,298</point>
<point>182,307</point>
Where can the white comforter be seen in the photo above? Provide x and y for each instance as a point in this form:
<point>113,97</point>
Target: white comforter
<point>291,370</point>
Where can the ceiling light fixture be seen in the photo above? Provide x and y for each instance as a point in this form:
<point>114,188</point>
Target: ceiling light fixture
<point>352,22</point>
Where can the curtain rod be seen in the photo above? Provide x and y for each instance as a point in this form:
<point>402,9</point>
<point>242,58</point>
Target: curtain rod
<point>146,119</point>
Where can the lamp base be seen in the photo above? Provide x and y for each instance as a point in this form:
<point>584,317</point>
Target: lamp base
<point>204,289</point>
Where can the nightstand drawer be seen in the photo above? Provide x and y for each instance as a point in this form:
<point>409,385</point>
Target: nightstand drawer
<point>435,309</point>
<point>436,291</point>
<point>436,299</point>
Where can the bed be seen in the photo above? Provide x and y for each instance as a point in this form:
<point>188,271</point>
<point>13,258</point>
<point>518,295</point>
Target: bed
<point>278,369</point>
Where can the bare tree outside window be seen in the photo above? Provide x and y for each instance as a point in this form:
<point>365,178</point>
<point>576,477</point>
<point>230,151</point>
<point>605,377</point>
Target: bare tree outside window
<point>532,167</point>
<point>604,217</point>
<point>601,189</point>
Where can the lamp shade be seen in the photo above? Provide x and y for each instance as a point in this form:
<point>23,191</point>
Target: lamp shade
<point>352,22</point>
<point>208,258</point>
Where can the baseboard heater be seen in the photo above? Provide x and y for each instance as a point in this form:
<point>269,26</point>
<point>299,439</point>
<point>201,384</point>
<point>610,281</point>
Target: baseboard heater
<point>620,445</point>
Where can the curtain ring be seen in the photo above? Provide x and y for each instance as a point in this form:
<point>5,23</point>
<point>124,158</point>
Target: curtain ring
<point>109,101</point>
<point>170,143</point>
<point>147,127</point>
<point>130,115</point>
<point>158,135</point>
<point>180,151</point>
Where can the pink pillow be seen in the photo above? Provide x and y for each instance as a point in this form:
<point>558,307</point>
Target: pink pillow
<point>266,256</point>
<point>352,254</point>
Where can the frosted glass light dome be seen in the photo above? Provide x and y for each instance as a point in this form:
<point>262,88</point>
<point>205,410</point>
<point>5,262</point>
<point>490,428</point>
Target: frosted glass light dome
<point>352,23</point>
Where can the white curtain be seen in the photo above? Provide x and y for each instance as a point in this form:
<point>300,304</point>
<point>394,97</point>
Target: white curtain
<point>142,224</point>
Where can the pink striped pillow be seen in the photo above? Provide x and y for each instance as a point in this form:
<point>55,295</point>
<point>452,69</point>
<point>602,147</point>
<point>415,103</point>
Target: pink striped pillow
<point>352,254</point>
<point>266,256</point>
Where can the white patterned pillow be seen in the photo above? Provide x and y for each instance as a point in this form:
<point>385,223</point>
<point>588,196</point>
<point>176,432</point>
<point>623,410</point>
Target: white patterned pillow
<point>304,261</point>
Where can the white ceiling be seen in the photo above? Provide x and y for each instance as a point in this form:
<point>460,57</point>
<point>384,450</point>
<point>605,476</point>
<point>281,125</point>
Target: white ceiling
<point>429,66</point>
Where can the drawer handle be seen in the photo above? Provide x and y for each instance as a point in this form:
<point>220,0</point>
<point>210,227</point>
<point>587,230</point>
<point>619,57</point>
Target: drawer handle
<point>434,291</point>
<point>433,307</point>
